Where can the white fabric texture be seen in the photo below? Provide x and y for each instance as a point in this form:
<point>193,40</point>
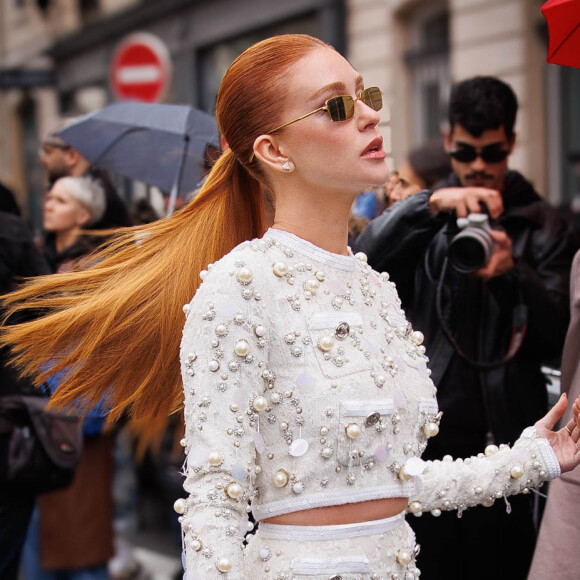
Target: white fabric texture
<point>305,386</point>
<point>349,552</point>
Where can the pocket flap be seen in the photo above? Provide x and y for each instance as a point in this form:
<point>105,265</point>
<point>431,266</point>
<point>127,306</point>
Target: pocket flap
<point>313,566</point>
<point>428,405</point>
<point>324,320</point>
<point>364,408</point>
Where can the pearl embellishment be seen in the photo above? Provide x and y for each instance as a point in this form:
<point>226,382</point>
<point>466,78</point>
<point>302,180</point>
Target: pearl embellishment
<point>242,348</point>
<point>260,404</point>
<point>280,269</point>
<point>325,343</point>
<point>491,450</point>
<point>234,490</point>
<point>298,487</point>
<point>403,474</point>
<point>244,275</point>
<point>353,430</point>
<point>415,507</point>
<point>417,338</point>
<point>260,331</point>
<point>312,285</point>
<point>224,565</point>
<point>216,458</point>
<point>404,557</point>
<point>180,506</point>
<point>281,478</point>
<point>516,472</point>
<point>431,429</point>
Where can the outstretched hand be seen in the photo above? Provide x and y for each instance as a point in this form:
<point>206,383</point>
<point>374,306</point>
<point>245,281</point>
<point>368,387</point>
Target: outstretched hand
<point>565,441</point>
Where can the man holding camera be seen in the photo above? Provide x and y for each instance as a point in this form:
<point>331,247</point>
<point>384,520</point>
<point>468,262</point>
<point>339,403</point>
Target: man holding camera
<point>490,294</point>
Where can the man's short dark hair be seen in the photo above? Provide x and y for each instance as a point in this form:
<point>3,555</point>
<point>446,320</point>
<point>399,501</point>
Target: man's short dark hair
<point>481,103</point>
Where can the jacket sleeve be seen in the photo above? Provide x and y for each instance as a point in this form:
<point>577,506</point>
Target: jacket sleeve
<point>398,238</point>
<point>223,361</point>
<point>498,473</point>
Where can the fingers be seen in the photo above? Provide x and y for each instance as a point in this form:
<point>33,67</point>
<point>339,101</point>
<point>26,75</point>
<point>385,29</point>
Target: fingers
<point>573,425</point>
<point>465,200</point>
<point>555,413</point>
<point>461,209</point>
<point>492,200</point>
<point>576,408</point>
<point>500,238</point>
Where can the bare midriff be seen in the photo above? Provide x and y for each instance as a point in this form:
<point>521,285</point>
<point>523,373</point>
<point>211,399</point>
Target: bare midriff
<point>350,513</point>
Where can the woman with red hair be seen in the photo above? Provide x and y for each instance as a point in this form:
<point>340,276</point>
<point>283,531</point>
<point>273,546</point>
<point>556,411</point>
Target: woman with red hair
<point>307,394</point>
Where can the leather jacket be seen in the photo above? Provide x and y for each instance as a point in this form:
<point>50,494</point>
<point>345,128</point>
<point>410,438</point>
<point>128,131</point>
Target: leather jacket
<point>19,258</point>
<point>411,244</point>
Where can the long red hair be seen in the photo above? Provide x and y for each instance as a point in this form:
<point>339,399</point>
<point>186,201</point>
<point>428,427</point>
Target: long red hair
<point>114,322</point>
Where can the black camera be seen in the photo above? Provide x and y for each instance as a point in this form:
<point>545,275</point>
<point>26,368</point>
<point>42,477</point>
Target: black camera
<point>472,247</point>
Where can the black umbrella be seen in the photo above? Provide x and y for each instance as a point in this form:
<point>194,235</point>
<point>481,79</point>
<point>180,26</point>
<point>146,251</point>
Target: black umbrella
<point>158,144</point>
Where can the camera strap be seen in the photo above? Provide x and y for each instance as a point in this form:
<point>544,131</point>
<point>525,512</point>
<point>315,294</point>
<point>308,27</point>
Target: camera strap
<point>519,327</point>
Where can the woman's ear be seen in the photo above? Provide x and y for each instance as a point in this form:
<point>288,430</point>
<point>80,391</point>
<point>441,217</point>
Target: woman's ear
<point>267,150</point>
<point>83,217</point>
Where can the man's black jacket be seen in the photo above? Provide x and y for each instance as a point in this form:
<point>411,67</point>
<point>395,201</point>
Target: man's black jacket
<point>19,259</point>
<point>409,243</point>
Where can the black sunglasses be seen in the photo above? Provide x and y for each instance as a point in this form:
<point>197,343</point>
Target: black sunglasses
<point>490,153</point>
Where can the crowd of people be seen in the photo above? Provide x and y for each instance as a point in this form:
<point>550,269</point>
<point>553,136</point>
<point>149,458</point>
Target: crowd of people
<point>360,366</point>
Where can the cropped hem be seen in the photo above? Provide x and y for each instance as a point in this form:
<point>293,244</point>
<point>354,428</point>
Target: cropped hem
<point>277,508</point>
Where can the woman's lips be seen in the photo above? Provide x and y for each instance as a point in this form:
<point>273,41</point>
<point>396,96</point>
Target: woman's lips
<point>374,150</point>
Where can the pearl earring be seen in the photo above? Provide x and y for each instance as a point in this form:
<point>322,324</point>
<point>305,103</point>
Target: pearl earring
<point>286,165</point>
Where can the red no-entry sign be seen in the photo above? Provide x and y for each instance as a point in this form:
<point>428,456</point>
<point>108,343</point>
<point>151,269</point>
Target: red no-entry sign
<point>141,68</point>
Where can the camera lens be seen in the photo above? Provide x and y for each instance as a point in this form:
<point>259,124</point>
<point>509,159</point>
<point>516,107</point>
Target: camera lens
<point>467,254</point>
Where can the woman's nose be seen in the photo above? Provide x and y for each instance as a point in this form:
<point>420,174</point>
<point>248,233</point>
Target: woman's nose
<point>366,114</point>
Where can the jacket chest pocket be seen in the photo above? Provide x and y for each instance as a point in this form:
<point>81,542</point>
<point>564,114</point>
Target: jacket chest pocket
<point>362,431</point>
<point>338,343</point>
<point>330,568</point>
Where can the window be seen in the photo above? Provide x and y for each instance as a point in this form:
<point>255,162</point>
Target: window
<point>428,62</point>
<point>215,60</point>
<point>570,124</point>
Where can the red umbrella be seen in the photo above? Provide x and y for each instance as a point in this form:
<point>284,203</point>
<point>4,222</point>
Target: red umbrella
<point>563,19</point>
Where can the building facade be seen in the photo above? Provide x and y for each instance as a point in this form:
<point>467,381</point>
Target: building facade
<point>55,58</point>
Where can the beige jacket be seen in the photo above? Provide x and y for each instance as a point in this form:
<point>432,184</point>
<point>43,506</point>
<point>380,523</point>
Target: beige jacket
<point>557,553</point>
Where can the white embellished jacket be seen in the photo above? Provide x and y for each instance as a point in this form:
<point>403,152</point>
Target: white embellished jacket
<point>305,386</point>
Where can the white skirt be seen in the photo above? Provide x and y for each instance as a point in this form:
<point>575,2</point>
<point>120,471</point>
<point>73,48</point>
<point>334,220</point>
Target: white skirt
<point>376,550</point>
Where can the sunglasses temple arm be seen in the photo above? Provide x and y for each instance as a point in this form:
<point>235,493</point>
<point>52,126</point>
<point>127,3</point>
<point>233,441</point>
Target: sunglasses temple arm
<point>324,108</point>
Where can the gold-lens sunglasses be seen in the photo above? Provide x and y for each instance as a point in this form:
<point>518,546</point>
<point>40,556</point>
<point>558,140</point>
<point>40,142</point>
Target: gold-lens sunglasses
<point>342,108</point>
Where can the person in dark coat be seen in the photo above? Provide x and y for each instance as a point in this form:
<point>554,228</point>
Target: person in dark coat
<point>8,201</point>
<point>19,258</point>
<point>488,332</point>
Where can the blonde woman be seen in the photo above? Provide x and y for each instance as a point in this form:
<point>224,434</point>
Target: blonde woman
<point>307,394</point>
<point>72,205</point>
